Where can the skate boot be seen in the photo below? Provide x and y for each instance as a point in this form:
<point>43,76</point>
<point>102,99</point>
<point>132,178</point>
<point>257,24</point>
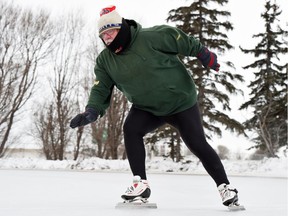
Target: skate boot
<point>228,194</point>
<point>139,190</point>
<point>229,197</point>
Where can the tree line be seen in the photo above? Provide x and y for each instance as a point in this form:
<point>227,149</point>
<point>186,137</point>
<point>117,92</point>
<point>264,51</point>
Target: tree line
<point>47,63</point>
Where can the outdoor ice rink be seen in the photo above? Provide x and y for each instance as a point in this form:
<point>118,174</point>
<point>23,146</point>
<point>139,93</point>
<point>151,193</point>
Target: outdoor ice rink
<point>87,193</point>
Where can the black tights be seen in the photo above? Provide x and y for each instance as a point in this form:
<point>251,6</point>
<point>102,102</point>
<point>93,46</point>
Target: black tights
<point>138,123</point>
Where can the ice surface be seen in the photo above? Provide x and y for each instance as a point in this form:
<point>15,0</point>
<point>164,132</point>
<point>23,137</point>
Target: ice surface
<point>83,193</point>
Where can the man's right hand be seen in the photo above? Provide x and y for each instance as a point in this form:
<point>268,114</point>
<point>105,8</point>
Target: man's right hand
<point>82,119</point>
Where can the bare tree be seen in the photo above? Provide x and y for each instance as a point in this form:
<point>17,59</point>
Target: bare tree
<point>107,132</point>
<point>53,120</point>
<point>25,39</point>
<point>115,115</point>
<point>99,136</point>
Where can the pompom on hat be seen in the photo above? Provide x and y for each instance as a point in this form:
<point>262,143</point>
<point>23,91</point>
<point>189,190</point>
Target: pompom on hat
<point>109,19</point>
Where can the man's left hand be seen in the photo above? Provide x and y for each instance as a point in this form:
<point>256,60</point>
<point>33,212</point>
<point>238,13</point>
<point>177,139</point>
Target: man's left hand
<point>208,59</point>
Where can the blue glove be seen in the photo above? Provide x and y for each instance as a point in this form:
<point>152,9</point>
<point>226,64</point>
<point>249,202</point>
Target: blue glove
<point>208,59</point>
<point>82,119</point>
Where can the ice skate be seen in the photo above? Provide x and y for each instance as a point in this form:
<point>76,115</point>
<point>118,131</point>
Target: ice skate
<point>137,195</point>
<point>139,190</point>
<point>229,197</point>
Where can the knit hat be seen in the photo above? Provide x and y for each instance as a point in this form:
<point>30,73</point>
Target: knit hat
<point>109,19</point>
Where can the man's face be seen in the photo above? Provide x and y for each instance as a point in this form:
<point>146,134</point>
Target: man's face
<point>109,35</point>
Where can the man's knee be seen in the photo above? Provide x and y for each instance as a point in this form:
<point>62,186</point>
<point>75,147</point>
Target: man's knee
<point>131,127</point>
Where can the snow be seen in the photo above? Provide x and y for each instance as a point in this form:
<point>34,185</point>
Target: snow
<point>275,167</point>
<point>92,186</point>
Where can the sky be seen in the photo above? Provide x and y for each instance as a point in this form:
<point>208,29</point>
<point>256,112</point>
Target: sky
<point>245,16</point>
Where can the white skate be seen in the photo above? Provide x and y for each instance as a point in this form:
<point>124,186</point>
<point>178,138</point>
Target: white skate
<point>229,197</point>
<point>139,190</point>
<point>137,195</point>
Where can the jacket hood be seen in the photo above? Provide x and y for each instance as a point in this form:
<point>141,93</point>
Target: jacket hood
<point>135,28</point>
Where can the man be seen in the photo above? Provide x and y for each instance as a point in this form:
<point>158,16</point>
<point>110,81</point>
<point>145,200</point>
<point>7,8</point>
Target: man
<point>143,64</point>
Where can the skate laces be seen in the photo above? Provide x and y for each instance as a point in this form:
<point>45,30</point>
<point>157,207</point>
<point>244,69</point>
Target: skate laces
<point>226,191</point>
<point>130,189</point>
<point>136,182</point>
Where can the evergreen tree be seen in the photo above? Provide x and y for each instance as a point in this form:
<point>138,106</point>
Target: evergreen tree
<point>172,139</point>
<point>210,27</point>
<point>269,89</point>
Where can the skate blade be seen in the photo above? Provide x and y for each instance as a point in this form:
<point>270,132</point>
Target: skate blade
<point>236,207</point>
<point>136,199</point>
<point>135,205</point>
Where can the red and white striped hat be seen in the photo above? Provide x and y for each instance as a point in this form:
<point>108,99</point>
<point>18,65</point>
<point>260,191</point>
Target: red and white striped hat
<point>109,19</point>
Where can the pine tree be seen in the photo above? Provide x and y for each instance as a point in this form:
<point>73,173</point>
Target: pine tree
<point>269,89</point>
<point>210,27</point>
<point>172,140</point>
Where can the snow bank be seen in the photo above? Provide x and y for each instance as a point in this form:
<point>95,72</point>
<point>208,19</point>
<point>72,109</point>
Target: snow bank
<point>275,167</point>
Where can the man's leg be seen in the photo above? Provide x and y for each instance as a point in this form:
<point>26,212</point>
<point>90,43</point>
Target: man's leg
<point>191,130</point>
<point>137,124</point>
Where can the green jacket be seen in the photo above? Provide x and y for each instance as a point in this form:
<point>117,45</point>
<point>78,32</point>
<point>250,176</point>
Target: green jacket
<point>148,72</point>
